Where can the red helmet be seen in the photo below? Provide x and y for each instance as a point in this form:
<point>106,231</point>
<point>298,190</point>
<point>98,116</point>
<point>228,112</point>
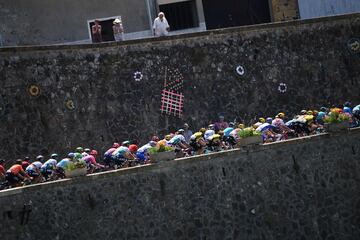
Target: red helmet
<point>116,145</point>
<point>93,152</point>
<point>155,139</point>
<point>133,148</point>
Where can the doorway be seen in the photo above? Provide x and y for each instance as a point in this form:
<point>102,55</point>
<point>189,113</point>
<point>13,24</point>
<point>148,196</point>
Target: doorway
<point>231,13</point>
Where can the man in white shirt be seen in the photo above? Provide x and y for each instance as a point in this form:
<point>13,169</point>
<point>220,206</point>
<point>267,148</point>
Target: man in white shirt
<point>161,26</point>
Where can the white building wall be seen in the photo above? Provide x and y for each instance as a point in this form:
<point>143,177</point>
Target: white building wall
<point>320,8</point>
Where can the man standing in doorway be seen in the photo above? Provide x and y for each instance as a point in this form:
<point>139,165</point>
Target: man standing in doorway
<point>96,32</point>
<point>161,26</point>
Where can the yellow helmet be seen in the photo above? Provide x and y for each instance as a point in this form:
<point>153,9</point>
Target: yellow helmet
<point>309,112</point>
<point>202,130</point>
<point>241,126</point>
<point>168,137</point>
<point>281,115</point>
<point>262,120</point>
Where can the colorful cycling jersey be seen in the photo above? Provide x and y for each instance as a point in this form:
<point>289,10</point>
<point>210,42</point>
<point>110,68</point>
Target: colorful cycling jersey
<point>278,122</point>
<point>49,164</point>
<point>357,108</point>
<point>120,152</point>
<point>227,131</point>
<point>16,169</point>
<point>214,138</point>
<point>64,163</point>
<point>144,148</point>
<point>263,127</point>
<point>196,136</point>
<point>208,133</point>
<point>177,139</point>
<point>109,152</point>
<point>78,156</point>
<point>89,159</point>
<point>33,167</point>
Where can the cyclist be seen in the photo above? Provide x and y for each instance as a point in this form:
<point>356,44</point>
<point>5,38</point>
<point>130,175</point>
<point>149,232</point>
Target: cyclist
<point>123,155</point>
<point>33,170</point>
<point>142,153</point>
<point>197,142</point>
<point>64,164</point>
<point>91,164</point>
<point>108,155</point>
<point>48,168</point>
<point>16,174</point>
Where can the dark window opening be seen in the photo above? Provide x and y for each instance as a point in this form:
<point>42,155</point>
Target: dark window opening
<point>106,30</point>
<point>231,13</point>
<point>181,15</point>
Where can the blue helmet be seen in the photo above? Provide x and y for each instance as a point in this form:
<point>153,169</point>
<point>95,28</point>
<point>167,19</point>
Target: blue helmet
<point>71,155</point>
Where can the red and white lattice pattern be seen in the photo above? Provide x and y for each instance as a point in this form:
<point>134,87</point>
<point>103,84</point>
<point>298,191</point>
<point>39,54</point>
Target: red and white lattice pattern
<point>172,103</point>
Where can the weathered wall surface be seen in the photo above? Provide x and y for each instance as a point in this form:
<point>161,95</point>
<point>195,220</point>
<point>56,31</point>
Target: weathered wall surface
<point>284,10</point>
<point>34,22</point>
<point>309,61</point>
<point>319,8</point>
<point>301,189</point>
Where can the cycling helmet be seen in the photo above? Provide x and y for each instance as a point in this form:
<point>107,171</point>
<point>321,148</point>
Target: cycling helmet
<point>211,126</point>
<point>79,149</point>
<point>269,120</point>
<point>202,130</point>
<point>40,158</point>
<point>347,110</point>
<point>87,150</point>
<point>262,120</point>
<point>231,124</point>
<point>54,156</point>
<point>310,112</point>
<point>280,115</point>
<point>347,104</point>
<point>27,159</point>
<point>168,137</point>
<point>116,145</point>
<point>241,126</point>
<point>93,152</point>
<point>152,143</point>
<point>125,143</point>
<point>155,138</point>
<point>133,148</point>
<point>323,109</point>
<point>303,112</point>
<point>181,130</point>
<point>71,155</point>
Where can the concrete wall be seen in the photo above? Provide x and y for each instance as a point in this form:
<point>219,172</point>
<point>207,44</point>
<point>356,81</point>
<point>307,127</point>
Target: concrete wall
<point>284,10</point>
<point>310,57</point>
<point>320,8</point>
<point>306,189</point>
<point>34,22</point>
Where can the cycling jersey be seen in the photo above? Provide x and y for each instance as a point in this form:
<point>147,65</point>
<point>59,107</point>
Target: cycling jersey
<point>208,133</point>
<point>64,163</point>
<point>227,131</point>
<point>16,169</point>
<point>49,164</point>
<point>177,139</point>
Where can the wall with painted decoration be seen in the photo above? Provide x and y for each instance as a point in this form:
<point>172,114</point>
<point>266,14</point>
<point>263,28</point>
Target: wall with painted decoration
<point>56,98</point>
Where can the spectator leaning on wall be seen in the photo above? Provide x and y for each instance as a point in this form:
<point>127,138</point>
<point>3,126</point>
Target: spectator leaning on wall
<point>161,26</point>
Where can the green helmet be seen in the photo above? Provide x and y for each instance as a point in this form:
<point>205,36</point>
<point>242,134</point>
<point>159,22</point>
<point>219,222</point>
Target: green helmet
<point>79,149</point>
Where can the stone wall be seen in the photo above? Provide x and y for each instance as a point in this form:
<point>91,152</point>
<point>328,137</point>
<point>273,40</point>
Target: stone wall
<point>306,188</point>
<point>87,94</point>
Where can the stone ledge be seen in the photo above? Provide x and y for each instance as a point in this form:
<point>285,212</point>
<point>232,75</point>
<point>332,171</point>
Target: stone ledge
<point>169,164</point>
<point>257,27</point>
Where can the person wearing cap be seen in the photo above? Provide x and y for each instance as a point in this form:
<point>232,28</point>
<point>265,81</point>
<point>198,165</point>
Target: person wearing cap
<point>118,30</point>
<point>221,124</point>
<point>187,133</point>
<point>96,32</point>
<point>161,26</point>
